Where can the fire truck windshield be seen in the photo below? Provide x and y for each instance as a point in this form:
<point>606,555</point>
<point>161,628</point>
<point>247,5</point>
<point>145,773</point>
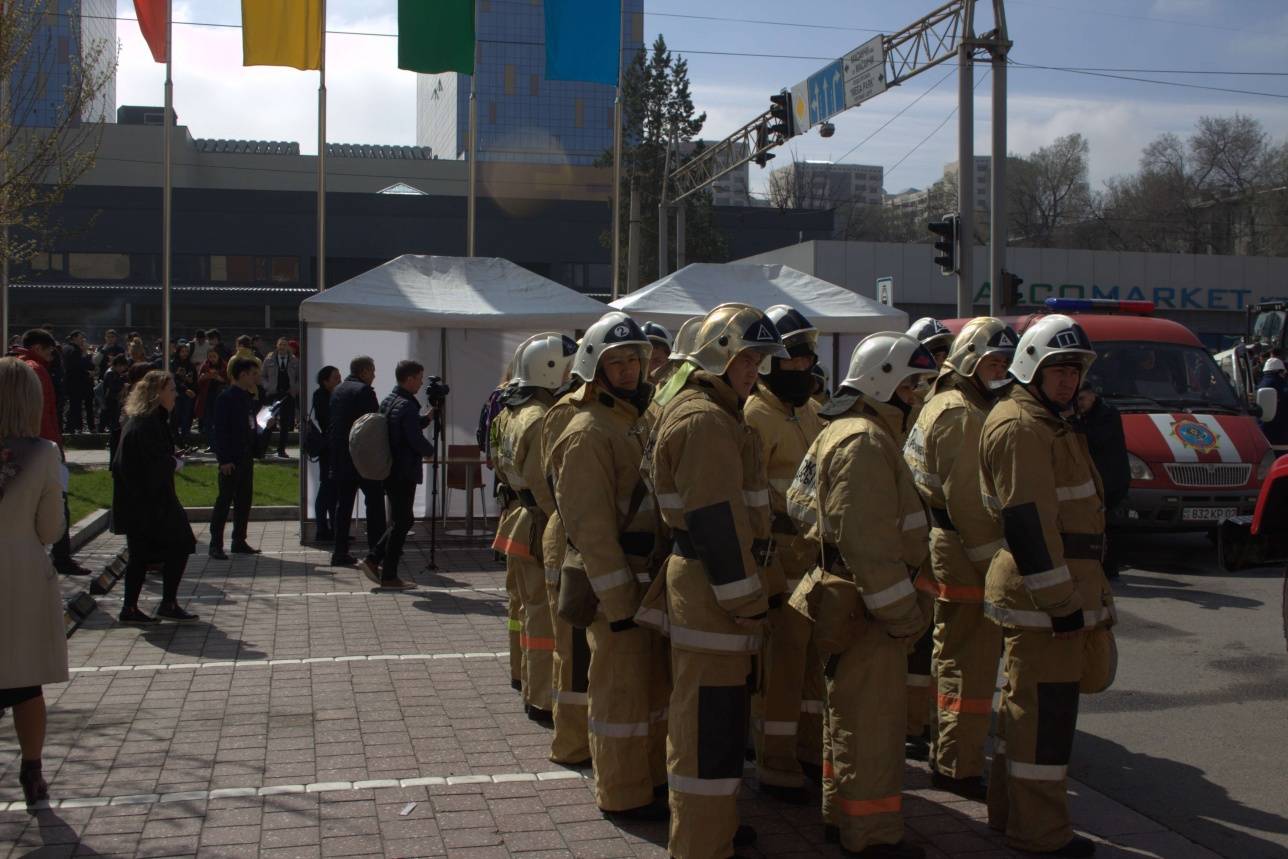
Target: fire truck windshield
<point>1145,376</point>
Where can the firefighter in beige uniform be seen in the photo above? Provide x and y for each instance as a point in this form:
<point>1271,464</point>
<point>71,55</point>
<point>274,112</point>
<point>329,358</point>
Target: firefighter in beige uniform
<point>1046,587</point>
<point>788,713</point>
<point>610,522</point>
<point>936,337</point>
<point>704,468</point>
<point>571,743</point>
<point>943,452</point>
<point>541,367</point>
<point>873,532</point>
<point>511,542</point>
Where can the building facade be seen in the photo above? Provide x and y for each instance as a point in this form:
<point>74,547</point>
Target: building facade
<point>521,115</point>
<point>983,181</point>
<point>71,38</point>
<point>825,185</point>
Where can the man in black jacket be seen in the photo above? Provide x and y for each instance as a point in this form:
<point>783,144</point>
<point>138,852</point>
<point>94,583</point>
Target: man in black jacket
<point>237,442</point>
<point>409,447</point>
<point>1103,426</point>
<point>353,398</point>
<point>78,382</point>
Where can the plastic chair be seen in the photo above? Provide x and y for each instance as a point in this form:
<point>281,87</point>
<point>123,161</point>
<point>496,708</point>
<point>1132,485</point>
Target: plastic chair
<point>466,477</point>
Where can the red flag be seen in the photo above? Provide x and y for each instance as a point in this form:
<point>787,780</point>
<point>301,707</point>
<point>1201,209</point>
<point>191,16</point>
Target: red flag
<point>153,16</point>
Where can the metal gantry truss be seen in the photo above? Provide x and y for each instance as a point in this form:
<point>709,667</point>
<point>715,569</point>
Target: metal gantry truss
<point>922,45</point>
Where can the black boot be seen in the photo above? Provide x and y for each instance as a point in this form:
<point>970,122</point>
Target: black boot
<point>968,788</point>
<point>1077,848</point>
<point>34,788</point>
<point>902,850</point>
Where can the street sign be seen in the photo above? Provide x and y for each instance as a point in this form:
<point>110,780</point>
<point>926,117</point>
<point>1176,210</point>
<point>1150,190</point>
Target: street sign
<point>841,84</point>
<point>826,92</point>
<point>864,70</point>
<point>885,291</point>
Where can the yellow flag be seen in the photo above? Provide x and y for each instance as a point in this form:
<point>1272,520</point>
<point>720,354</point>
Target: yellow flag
<point>282,33</point>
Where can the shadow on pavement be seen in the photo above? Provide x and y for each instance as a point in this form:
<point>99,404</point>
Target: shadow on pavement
<point>1199,809</point>
<point>1138,584</point>
<point>57,838</point>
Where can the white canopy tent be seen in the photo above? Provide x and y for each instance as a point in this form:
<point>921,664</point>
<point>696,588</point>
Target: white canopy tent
<point>460,317</point>
<point>842,317</point>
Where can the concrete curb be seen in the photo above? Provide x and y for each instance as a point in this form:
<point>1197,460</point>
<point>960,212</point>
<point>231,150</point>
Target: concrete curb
<point>87,529</point>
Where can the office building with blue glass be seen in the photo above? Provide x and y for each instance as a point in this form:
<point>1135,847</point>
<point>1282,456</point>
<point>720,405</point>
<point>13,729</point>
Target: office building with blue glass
<point>66,34</point>
<point>521,115</point>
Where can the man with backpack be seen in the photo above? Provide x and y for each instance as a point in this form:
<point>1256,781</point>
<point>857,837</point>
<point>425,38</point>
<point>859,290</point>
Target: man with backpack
<point>353,398</point>
<point>408,448</point>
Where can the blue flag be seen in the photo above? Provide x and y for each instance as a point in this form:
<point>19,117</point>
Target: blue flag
<point>583,40</point>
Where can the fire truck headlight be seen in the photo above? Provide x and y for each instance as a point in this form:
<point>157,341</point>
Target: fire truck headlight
<point>1139,468</point>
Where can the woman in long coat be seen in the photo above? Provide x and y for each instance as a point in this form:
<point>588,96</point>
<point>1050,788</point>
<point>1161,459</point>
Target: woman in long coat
<point>33,643</point>
<point>145,506</point>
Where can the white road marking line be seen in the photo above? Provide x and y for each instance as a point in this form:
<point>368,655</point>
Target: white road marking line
<point>288,789</point>
<point>256,663</point>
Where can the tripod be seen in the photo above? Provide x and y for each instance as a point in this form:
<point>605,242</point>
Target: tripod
<point>440,446</point>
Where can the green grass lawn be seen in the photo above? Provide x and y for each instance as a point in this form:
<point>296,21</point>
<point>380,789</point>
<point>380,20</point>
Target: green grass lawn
<point>275,485</point>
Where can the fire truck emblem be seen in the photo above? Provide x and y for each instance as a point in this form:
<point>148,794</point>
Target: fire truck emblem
<point>1195,435</point>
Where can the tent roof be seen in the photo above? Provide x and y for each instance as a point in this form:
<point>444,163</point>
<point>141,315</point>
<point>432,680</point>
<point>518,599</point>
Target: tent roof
<point>697,288</point>
<point>414,291</point>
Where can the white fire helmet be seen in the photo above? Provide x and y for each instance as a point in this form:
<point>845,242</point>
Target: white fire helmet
<point>1054,339</point>
<point>979,338</point>
<point>731,329</point>
<point>542,360</point>
<point>883,361</point>
<point>612,330</point>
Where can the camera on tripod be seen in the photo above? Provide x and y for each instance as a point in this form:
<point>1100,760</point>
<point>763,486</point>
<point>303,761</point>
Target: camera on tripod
<point>436,390</point>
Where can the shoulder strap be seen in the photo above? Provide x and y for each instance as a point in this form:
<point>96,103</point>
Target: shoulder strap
<point>637,498</point>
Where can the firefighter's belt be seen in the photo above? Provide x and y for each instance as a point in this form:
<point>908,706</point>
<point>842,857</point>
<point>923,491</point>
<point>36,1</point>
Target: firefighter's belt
<point>637,543</point>
<point>1083,547</point>
<point>783,524</point>
<point>942,519</point>
<point>528,500</point>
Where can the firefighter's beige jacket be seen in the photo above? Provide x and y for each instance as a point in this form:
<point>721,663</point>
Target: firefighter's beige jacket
<point>518,461</point>
<point>705,467</point>
<point>554,540</point>
<point>596,466</point>
<point>512,537</point>
<point>786,433</point>
<point>872,514</point>
<point>1038,480</point>
<point>942,451</point>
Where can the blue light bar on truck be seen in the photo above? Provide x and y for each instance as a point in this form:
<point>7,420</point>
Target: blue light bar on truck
<point>1099,305</point>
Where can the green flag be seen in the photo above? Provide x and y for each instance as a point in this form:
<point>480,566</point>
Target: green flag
<point>436,36</point>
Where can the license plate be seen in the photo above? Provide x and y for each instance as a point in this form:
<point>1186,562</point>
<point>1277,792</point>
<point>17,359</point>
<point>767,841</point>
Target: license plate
<point>1208,514</point>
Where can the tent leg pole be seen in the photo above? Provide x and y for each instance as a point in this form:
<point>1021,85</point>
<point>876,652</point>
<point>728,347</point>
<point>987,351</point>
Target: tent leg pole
<point>304,459</point>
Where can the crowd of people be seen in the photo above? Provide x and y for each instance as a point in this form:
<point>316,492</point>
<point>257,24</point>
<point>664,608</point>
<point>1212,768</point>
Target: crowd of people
<point>90,381</point>
<point>706,553</point>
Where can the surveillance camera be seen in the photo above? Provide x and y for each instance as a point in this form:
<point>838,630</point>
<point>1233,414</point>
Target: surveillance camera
<point>826,129</point>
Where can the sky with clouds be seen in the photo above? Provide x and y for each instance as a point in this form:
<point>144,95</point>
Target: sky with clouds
<point>371,101</point>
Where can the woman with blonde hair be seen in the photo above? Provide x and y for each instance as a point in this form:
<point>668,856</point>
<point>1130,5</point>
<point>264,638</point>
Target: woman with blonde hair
<point>145,506</point>
<point>33,643</point>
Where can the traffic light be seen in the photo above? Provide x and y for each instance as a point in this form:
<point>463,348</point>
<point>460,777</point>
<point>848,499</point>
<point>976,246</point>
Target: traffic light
<point>762,140</point>
<point>1010,290</point>
<point>946,243</point>
<point>782,122</point>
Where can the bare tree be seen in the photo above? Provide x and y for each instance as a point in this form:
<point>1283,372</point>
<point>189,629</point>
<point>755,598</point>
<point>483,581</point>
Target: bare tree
<point>40,162</point>
<point>1048,191</point>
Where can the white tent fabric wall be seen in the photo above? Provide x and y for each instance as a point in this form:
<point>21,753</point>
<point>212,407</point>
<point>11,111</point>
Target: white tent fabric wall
<point>473,311</point>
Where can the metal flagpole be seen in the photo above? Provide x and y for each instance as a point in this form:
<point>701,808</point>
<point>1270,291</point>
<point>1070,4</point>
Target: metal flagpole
<point>471,202</point>
<point>322,156</point>
<point>997,197</point>
<point>167,181</point>
<point>617,153</point>
<point>4,228</point>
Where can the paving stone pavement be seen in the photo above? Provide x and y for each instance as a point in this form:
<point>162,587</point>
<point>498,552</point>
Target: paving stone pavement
<point>306,715</point>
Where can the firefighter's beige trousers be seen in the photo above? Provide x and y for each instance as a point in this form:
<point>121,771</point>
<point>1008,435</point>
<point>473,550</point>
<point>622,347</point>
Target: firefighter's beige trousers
<point>623,720</point>
<point>571,665</point>
<point>777,711</point>
<point>919,682</point>
<point>514,621</point>
<point>704,751</point>
<point>866,721</point>
<point>537,638</point>
<point>967,649</point>
<point>1037,717</point>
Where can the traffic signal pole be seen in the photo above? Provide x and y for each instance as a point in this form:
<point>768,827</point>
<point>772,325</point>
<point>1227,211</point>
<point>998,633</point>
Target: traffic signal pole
<point>997,202</point>
<point>966,166</point>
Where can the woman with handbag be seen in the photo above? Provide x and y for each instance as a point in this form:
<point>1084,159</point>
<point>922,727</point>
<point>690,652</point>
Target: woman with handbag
<point>315,435</point>
<point>145,506</point>
<point>33,643</point>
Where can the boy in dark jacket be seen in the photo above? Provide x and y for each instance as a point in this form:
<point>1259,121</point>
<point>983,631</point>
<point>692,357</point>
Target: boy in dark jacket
<point>113,392</point>
<point>353,398</point>
<point>408,447</point>
<point>237,442</point>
